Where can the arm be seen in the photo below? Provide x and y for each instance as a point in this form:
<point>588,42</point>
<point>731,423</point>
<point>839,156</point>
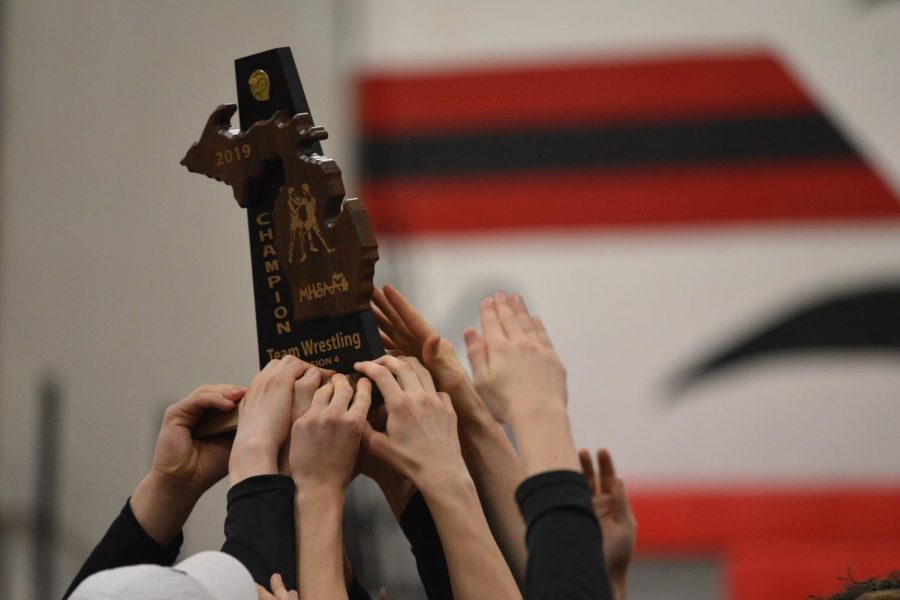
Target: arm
<point>489,456</point>
<point>148,530</point>
<point>422,443</point>
<point>413,515</point>
<point>324,447</point>
<point>614,513</point>
<point>523,382</point>
<point>260,521</point>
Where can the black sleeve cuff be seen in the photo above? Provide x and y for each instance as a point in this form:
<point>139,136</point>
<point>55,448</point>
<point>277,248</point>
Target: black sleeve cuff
<point>544,492</point>
<point>138,538</point>
<point>260,483</point>
<point>259,527</point>
<point>126,543</point>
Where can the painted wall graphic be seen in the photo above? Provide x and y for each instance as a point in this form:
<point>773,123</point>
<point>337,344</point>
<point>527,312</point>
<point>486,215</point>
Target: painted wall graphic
<point>718,262</point>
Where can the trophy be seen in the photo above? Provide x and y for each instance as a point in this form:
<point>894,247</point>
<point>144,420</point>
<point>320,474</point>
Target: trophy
<point>313,253</point>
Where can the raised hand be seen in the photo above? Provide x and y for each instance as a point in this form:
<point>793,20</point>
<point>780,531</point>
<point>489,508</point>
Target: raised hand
<point>396,488</point>
<point>523,382</point>
<point>488,453</point>
<point>178,455</point>
<point>420,439</point>
<point>407,331</point>
<point>421,442</point>
<point>325,439</point>
<point>614,513</point>
<point>183,467</point>
<point>264,419</point>
<point>304,389</point>
<point>514,363</point>
<point>324,445</point>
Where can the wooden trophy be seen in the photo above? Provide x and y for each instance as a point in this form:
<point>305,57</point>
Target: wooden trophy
<point>313,253</point>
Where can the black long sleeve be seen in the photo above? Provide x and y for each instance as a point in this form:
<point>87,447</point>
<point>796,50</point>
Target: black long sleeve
<point>259,531</point>
<point>565,543</point>
<point>259,528</point>
<point>125,543</point>
<point>418,526</point>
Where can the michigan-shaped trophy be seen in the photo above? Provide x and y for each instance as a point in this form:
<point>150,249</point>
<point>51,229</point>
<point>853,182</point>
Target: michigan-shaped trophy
<point>313,253</point>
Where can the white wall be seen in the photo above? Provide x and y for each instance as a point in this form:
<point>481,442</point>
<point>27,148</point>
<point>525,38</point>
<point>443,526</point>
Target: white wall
<point>123,273</point>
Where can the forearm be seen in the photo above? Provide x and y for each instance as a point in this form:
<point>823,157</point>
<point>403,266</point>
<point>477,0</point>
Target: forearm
<point>162,507</point>
<point>321,558</point>
<point>497,472</point>
<point>476,566</point>
<point>544,438</point>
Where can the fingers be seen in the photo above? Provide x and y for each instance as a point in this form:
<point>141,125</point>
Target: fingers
<point>292,367</point>
<point>363,398</point>
<point>322,397</point>
<point>403,371</point>
<point>263,593</point>
<point>384,324</point>
<point>304,389</point>
<point>422,373</point>
<point>415,322</point>
<point>477,351</point>
<point>621,506</point>
<point>521,312</point>
<point>508,320</point>
<point>278,589</point>
<point>343,393</point>
<point>189,410</point>
<point>382,378</point>
<point>387,342</point>
<point>541,332</point>
<point>490,323</point>
<point>587,467</point>
<point>606,470</point>
<point>397,325</point>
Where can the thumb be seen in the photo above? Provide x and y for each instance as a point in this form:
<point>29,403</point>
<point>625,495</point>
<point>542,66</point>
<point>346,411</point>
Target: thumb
<point>430,355</point>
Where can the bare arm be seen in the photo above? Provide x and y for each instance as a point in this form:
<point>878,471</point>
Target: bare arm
<point>422,443</point>
<point>489,456</point>
<point>523,383</point>
<point>324,446</point>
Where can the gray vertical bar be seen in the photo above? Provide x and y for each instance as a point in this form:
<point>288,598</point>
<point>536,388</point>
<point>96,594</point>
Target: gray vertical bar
<point>46,487</point>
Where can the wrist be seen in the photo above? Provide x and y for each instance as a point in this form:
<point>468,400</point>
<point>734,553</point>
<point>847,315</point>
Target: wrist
<point>545,441</point>
<point>162,506</point>
<point>310,495</point>
<point>531,410</point>
<point>171,488</point>
<point>250,457</point>
<point>438,481</point>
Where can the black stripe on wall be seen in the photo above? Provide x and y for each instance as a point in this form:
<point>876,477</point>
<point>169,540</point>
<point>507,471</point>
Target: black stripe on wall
<point>609,146</point>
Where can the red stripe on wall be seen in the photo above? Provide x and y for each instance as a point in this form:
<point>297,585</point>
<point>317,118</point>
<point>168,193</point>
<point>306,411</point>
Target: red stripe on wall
<point>789,191</point>
<point>662,88</point>
<point>791,570</point>
<point>716,521</point>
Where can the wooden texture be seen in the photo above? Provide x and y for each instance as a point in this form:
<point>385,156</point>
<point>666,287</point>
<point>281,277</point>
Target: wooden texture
<point>324,245</point>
